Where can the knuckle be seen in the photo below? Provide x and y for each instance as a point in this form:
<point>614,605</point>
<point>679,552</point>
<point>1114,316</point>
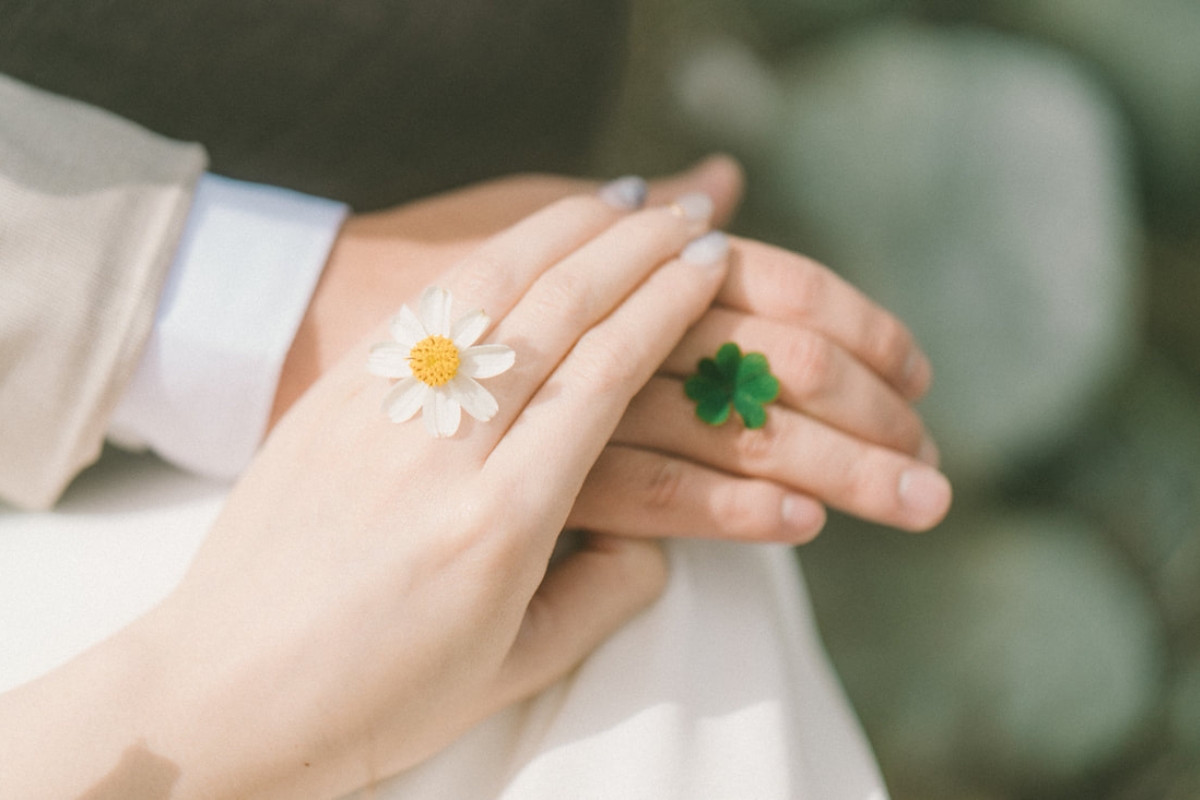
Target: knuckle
<point>608,367</point>
<point>889,342</point>
<point>653,228</point>
<point>484,274</point>
<point>470,542</point>
<point>565,294</point>
<point>808,360</point>
<point>756,449</point>
<point>664,484</point>
<point>802,288</point>
<point>495,546</point>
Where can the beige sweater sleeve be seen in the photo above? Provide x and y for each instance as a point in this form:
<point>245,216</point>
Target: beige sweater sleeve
<point>91,209</point>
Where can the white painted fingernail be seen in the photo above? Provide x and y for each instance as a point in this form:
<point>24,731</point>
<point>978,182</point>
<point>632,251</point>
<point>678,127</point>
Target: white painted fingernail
<point>925,493</point>
<point>709,249</point>
<point>627,193</point>
<point>693,206</point>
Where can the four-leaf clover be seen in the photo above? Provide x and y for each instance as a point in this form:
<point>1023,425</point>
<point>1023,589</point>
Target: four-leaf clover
<point>731,380</point>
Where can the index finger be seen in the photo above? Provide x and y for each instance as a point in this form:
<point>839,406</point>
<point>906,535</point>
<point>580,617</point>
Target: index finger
<point>772,282</point>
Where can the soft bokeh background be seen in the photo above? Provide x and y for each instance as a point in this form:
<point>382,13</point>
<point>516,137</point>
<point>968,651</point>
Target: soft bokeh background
<point>1020,180</point>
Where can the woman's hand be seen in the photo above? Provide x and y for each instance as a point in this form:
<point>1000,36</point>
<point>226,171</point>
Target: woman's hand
<point>369,592</point>
<point>844,432</point>
<point>385,258</point>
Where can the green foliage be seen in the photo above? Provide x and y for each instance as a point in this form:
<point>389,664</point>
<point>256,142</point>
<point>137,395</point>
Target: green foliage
<point>733,381</point>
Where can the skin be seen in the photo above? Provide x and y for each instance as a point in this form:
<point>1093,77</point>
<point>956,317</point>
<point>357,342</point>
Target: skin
<point>342,623</point>
<point>844,433</point>
<point>269,673</point>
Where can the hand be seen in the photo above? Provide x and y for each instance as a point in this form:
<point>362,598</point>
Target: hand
<point>383,259</point>
<point>449,539</point>
<point>369,592</point>
<point>844,433</point>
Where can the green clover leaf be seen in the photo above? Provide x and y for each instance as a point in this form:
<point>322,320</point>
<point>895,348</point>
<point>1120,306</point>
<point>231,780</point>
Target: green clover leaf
<point>733,381</point>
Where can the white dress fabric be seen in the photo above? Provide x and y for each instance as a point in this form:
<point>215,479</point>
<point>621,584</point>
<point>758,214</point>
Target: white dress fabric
<point>720,691</point>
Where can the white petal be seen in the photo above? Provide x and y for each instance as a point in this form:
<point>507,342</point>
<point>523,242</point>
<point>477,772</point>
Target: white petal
<point>435,311</point>
<point>475,400</point>
<point>388,360</point>
<point>469,328</point>
<point>442,412</point>
<point>486,360</point>
<point>404,399</point>
<point>406,329</point>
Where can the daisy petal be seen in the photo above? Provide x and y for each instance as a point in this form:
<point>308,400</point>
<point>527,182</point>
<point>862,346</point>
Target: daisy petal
<point>435,311</point>
<point>441,412</point>
<point>468,329</point>
<point>404,399</point>
<point>388,360</point>
<point>486,360</point>
<point>406,329</point>
<point>475,400</point>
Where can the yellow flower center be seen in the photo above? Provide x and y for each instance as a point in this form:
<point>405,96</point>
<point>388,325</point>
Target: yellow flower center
<point>433,360</point>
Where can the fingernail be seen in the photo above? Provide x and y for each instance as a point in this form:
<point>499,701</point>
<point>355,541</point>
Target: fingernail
<point>926,493</point>
<point>693,206</point>
<point>802,514</point>
<point>627,193</point>
<point>928,452</point>
<point>709,249</point>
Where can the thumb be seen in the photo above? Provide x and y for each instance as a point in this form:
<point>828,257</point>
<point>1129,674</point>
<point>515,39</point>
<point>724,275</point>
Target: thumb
<point>718,176</point>
<point>581,602</point>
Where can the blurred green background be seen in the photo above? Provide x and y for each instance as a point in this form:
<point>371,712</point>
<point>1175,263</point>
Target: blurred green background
<point>1020,181</point>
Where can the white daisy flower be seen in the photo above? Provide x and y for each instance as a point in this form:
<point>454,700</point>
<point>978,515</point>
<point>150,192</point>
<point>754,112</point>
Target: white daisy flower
<point>437,365</point>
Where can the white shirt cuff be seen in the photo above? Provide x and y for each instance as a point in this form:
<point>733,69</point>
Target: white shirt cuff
<point>246,268</point>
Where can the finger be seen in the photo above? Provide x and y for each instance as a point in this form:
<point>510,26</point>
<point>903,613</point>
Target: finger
<point>486,208</point>
<point>499,273</point>
<point>635,492</point>
<point>775,283</point>
<point>573,414</point>
<point>812,458</point>
<point>523,251</point>
<point>719,176</point>
<point>581,602</point>
<point>583,289</point>
<point>816,375</point>
<point>592,264</point>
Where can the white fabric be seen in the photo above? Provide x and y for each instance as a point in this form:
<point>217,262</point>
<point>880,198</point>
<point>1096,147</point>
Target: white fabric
<point>721,691</point>
<point>246,268</point>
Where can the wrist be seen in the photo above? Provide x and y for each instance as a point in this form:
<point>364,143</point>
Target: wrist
<point>190,712</point>
<point>85,728</point>
<point>224,705</point>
